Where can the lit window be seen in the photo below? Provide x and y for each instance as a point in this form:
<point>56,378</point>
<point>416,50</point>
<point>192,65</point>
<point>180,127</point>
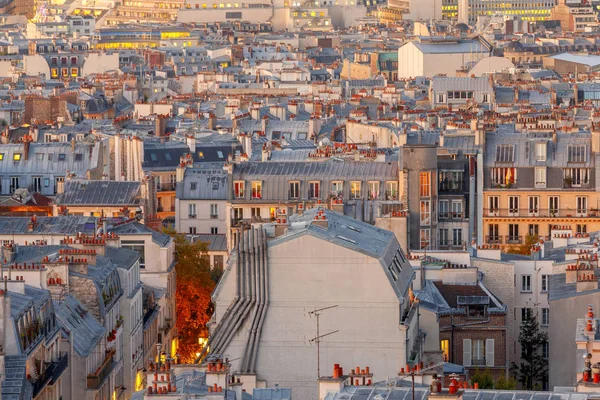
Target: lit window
<point>17,156</point>
<point>1,156</point>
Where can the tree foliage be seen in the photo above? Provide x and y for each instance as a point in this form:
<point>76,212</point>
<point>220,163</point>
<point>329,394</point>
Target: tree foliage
<point>525,248</point>
<point>506,384</point>
<point>194,287</point>
<point>532,371</point>
<point>484,379</point>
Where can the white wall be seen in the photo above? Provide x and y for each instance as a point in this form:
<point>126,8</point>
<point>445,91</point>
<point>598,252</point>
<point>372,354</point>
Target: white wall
<point>97,63</point>
<point>307,273</point>
<point>35,65</point>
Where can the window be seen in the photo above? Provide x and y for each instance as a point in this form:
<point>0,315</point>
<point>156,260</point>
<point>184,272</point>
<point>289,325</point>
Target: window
<point>503,176</point>
<point>441,98</point>
<point>192,230</point>
<point>513,206</point>
<point>46,182</point>
<point>540,177</point>
<point>577,153</point>
<point>294,190</point>
<point>192,210</point>
<point>445,347</point>
<point>581,228</point>
<point>37,183</point>
<point>425,236</point>
<point>255,212</point>
<point>218,262</point>
<point>238,214</point>
<point>1,156</point>
<point>257,189</point>
<point>513,233</point>
<point>493,234</point>
<point>373,190</point>
<point>193,185</point>
<point>78,157</point>
<point>545,316</point>
<point>525,283</point>
<point>14,183</point>
<point>391,190</point>
<point>425,212</point>
<point>544,283</point>
<point>553,205</point>
<point>337,188</point>
<point>425,184</point>
<point>444,237</point>
<point>214,211</point>
<point>457,237</point>
<point>534,205</point>
<point>534,230</point>
<point>62,157</point>
<point>581,202</point>
<point>545,350</point>
<point>214,230</point>
<point>355,190</point>
<point>136,245</point>
<point>444,209</point>
<point>450,181</point>
<point>17,157</point>
<point>74,72</point>
<point>540,151</point>
<point>233,15</point>
<point>457,209</point>
<point>314,190</point>
<point>574,177</point>
<point>478,352</point>
<point>238,189</point>
<point>505,153</point>
<point>493,205</point>
<point>525,313</point>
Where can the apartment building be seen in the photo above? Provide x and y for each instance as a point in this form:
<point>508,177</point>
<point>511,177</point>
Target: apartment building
<point>356,271</point>
<point>536,179</point>
<point>537,10</point>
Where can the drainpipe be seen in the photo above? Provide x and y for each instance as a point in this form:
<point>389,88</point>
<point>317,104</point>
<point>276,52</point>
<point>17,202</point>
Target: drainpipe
<point>472,198</point>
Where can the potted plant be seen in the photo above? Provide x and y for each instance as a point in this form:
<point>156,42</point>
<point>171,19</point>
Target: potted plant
<point>568,181</point>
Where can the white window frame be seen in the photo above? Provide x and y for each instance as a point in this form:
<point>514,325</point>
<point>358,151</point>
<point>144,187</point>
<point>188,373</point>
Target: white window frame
<point>540,177</point>
<point>526,283</point>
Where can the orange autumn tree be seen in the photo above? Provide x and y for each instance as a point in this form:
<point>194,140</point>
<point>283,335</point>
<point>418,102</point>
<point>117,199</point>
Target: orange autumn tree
<point>194,287</point>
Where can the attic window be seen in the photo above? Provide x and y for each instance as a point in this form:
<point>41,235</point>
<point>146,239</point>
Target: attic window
<point>200,154</point>
<point>192,185</point>
<point>168,156</point>
<point>346,239</point>
<point>78,157</point>
<point>39,156</point>
<point>62,157</point>
<point>215,185</point>
<point>50,157</point>
<point>17,157</point>
<point>220,154</point>
<point>1,156</point>
<point>153,157</point>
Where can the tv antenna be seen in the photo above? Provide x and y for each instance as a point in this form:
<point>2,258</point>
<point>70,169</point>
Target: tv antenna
<point>317,339</point>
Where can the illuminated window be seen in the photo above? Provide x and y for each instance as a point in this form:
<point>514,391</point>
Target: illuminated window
<point>17,157</point>
<point>55,72</point>
<point>74,72</point>
<point>1,156</point>
<point>221,5</point>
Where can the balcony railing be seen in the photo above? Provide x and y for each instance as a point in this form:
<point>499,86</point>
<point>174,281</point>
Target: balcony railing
<point>51,374</point>
<point>450,215</point>
<point>165,187</point>
<point>493,239</point>
<point>541,213</point>
<point>514,239</point>
<point>478,361</point>
<point>192,216</point>
<point>95,380</point>
<point>214,216</point>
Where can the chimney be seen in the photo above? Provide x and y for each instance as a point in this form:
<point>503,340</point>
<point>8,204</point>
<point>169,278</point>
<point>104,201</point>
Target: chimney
<point>334,383</point>
<point>264,124</point>
<point>212,122</point>
<point>60,187</point>
<point>320,219</point>
<point>73,145</point>
<point>191,142</point>
<point>5,304</point>
<point>26,144</point>
<point>8,252</point>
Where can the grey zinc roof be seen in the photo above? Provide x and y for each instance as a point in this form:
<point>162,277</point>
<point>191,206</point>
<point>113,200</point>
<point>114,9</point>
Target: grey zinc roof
<point>39,159</point>
<point>443,47</point>
<point>87,332</point>
<point>64,224</point>
<point>122,257</point>
<point>209,184</point>
<point>14,386</point>
<point>272,394</point>
<point>215,242</point>
<point>358,236</point>
<point>99,193</point>
<point>557,152</point>
<point>405,393</point>
<point>135,228</point>
<point>443,83</point>
<point>588,59</point>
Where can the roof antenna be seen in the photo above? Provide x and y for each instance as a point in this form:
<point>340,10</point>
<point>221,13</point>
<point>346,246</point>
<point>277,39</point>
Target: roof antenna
<point>318,339</point>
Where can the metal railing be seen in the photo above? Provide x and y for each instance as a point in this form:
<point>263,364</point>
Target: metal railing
<point>541,213</point>
<point>95,381</point>
<point>450,215</point>
<point>514,239</point>
<point>166,187</point>
<point>52,373</point>
<point>493,239</point>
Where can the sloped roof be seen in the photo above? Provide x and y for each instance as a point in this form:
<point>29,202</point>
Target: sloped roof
<point>99,193</point>
<point>87,332</point>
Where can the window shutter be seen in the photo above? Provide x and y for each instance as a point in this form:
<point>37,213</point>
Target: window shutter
<point>467,352</point>
<point>489,352</point>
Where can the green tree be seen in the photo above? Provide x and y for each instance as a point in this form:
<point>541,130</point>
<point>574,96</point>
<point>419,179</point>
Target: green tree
<point>483,379</point>
<point>506,384</point>
<point>193,295</point>
<point>532,371</point>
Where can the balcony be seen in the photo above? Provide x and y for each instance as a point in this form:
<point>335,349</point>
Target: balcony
<point>478,362</point>
<point>192,216</point>
<point>95,380</point>
<point>541,213</point>
<point>514,239</point>
<point>214,216</point>
<point>51,374</point>
<point>493,239</point>
<point>445,215</point>
<point>166,187</point>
